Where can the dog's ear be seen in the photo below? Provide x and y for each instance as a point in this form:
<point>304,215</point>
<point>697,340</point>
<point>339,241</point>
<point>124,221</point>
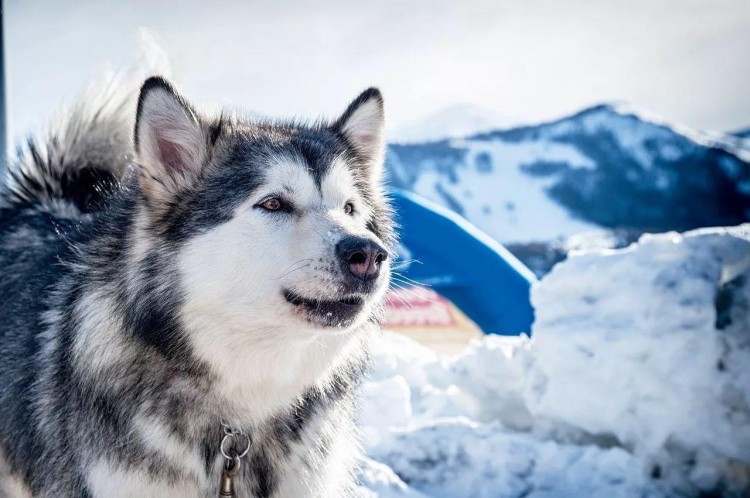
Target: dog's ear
<point>363,127</point>
<point>170,143</point>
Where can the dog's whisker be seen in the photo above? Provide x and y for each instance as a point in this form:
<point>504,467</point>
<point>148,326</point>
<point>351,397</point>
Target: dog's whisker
<point>285,273</point>
<point>320,235</point>
<point>292,271</point>
<point>400,278</point>
<point>404,264</point>
<point>406,289</point>
<point>399,296</point>
<point>403,301</point>
<point>406,303</point>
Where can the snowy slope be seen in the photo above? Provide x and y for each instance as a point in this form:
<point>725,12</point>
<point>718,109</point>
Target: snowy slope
<point>744,135</point>
<point>606,167</point>
<point>636,382</point>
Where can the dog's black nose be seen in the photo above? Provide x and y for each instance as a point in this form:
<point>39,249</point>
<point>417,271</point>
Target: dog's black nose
<point>361,256</point>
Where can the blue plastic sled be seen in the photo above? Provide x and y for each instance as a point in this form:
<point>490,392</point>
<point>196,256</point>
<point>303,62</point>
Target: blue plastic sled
<point>441,249</point>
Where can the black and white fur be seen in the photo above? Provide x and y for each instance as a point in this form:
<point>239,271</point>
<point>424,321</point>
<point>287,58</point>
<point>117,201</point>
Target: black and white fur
<point>146,301</point>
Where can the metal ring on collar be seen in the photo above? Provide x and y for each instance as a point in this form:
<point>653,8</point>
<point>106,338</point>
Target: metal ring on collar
<point>229,436</point>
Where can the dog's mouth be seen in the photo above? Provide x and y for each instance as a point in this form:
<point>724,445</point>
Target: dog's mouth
<point>331,313</point>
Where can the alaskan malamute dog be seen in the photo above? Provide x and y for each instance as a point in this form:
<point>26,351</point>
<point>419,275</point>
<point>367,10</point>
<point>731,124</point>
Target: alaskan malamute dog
<point>189,300</point>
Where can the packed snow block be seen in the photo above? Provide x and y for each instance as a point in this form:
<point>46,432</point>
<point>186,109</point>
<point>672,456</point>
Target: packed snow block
<point>379,481</point>
<point>635,383</point>
<point>457,458</point>
<point>467,431</point>
<point>648,348</point>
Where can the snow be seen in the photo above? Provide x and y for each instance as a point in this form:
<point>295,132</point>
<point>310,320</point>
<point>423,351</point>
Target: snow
<point>507,203</point>
<point>633,129</point>
<point>379,480</point>
<point>627,121</point>
<point>636,382</point>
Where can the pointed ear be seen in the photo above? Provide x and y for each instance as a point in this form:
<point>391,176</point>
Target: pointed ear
<point>363,126</point>
<point>170,143</point>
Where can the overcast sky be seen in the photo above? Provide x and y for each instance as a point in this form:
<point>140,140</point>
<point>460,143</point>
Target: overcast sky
<point>530,60</point>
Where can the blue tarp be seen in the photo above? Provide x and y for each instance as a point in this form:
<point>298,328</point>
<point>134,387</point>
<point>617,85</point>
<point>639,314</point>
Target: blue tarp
<point>443,250</point>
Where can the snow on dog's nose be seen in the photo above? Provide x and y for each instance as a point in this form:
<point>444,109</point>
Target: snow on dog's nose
<point>361,257</point>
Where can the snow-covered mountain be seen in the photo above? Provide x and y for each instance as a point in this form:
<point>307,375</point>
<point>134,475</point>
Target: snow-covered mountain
<point>609,166</point>
<point>459,120</point>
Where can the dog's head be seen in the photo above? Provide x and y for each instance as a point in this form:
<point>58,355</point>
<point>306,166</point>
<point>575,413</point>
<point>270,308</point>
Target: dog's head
<point>280,227</point>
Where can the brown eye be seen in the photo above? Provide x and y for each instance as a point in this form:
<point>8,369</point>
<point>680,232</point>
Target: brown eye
<point>272,204</point>
<point>349,208</point>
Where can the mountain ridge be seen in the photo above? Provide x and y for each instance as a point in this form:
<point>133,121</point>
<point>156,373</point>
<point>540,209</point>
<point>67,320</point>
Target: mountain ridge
<point>609,166</point>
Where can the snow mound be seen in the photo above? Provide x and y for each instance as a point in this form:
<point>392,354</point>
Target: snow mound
<point>636,383</point>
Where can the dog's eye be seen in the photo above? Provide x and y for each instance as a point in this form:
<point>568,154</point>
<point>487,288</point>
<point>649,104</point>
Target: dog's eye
<point>272,204</point>
<point>349,208</point>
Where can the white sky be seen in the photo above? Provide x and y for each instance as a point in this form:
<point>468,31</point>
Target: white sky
<point>530,60</point>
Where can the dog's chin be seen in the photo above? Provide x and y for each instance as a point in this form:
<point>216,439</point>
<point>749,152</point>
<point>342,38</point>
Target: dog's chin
<point>327,313</point>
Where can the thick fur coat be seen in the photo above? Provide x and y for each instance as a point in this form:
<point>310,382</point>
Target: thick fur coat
<point>208,271</point>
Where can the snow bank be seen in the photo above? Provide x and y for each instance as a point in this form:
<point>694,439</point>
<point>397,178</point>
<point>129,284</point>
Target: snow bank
<point>636,383</point>
<point>629,347</point>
